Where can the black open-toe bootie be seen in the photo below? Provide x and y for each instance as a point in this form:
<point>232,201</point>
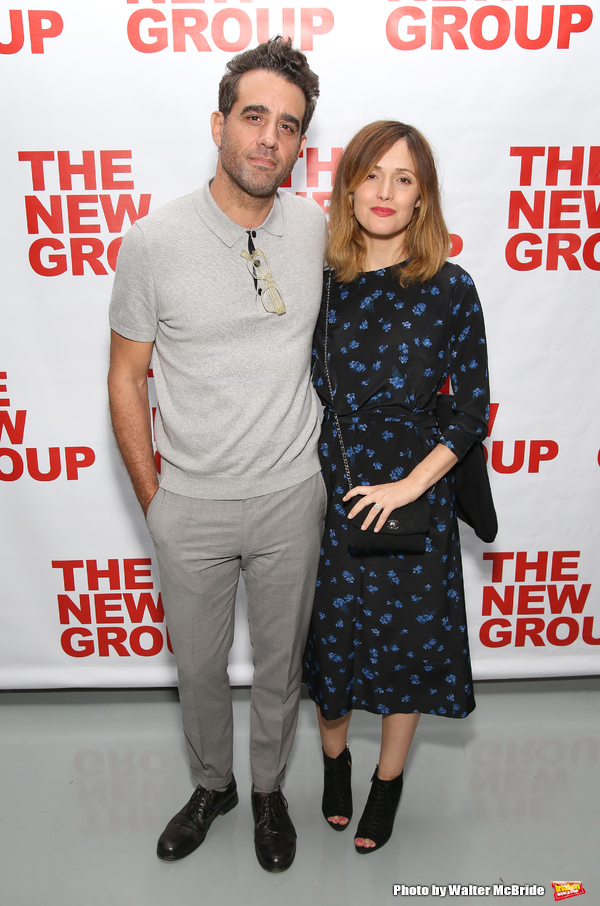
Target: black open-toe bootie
<point>377,820</point>
<point>337,789</point>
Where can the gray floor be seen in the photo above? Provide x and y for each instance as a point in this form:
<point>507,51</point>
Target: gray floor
<point>509,796</point>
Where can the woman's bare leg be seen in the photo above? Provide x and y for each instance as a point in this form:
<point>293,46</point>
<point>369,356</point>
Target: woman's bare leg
<point>397,732</point>
<point>334,734</point>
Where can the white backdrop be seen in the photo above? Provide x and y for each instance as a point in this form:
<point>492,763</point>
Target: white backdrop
<point>105,111</point>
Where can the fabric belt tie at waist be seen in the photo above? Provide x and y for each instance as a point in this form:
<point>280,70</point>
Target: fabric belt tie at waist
<point>422,418</point>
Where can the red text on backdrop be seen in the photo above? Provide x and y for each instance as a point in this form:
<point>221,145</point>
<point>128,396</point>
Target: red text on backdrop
<point>41,25</point>
<point>563,218</point>
<point>31,462</point>
<point>549,612</point>
<point>131,599</point>
<point>75,213</point>
<point>228,29</point>
<point>486,27</point>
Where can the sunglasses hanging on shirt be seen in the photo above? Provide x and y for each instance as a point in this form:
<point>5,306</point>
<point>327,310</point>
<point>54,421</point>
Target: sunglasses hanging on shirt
<point>260,270</point>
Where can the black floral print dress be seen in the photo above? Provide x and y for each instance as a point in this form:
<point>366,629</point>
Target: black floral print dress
<point>388,631</point>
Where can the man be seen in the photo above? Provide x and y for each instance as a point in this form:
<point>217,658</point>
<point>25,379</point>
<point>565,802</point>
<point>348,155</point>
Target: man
<point>220,290</point>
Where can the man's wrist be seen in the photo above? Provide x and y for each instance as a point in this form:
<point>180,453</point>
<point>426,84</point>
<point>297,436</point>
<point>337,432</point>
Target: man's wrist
<point>147,499</point>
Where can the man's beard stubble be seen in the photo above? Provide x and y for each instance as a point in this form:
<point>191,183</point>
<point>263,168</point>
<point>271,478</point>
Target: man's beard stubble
<point>255,183</point>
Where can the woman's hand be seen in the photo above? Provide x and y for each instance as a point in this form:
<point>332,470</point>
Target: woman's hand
<point>383,498</point>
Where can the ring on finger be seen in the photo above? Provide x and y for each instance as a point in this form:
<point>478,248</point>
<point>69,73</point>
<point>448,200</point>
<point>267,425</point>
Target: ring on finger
<point>376,506</point>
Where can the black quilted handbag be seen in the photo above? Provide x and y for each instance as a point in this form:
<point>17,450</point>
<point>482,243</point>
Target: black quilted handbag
<point>405,529</point>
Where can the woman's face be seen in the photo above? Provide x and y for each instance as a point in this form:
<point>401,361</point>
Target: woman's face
<point>385,202</point>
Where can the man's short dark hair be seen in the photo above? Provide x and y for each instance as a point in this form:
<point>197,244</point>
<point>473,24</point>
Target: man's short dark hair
<point>275,55</point>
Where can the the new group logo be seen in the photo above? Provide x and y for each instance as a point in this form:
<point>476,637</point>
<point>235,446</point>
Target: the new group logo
<point>110,608</point>
<point>536,599</point>
<point>59,207</point>
<point>555,211</point>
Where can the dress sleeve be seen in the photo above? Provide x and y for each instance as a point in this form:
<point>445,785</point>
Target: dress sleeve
<point>468,367</point>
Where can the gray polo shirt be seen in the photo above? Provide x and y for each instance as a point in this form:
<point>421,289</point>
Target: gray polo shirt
<point>237,416</point>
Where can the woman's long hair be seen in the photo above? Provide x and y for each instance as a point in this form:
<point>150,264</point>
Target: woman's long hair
<point>427,241</point>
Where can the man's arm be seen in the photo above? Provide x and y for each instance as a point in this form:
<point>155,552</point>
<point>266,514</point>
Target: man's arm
<point>130,413</point>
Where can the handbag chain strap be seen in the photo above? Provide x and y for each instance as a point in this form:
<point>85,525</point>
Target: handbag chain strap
<point>325,356</point>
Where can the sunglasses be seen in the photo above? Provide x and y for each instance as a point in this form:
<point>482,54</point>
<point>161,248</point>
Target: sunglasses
<point>260,270</point>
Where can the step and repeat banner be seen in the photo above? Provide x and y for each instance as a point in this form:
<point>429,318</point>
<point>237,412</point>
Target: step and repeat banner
<point>105,108</point>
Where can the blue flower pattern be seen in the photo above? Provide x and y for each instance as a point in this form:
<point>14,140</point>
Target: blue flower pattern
<point>389,629</point>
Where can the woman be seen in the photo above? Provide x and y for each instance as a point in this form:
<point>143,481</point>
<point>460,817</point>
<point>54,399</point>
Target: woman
<point>388,631</point>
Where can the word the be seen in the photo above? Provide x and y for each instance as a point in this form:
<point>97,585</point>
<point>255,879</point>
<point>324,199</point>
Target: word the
<point>128,573</point>
<point>310,170</point>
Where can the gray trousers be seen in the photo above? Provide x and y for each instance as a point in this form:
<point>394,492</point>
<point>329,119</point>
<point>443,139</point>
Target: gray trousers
<point>201,546</point>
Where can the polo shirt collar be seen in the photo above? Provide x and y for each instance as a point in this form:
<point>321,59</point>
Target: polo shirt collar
<point>227,230</point>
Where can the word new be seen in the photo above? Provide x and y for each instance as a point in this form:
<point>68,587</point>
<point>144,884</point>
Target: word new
<point>555,209</point>
<point>488,28</point>
<point>231,30</point>
<point>538,610</point>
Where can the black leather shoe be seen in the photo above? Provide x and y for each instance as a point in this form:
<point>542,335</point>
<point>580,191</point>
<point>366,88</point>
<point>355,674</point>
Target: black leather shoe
<point>274,833</point>
<point>187,830</point>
